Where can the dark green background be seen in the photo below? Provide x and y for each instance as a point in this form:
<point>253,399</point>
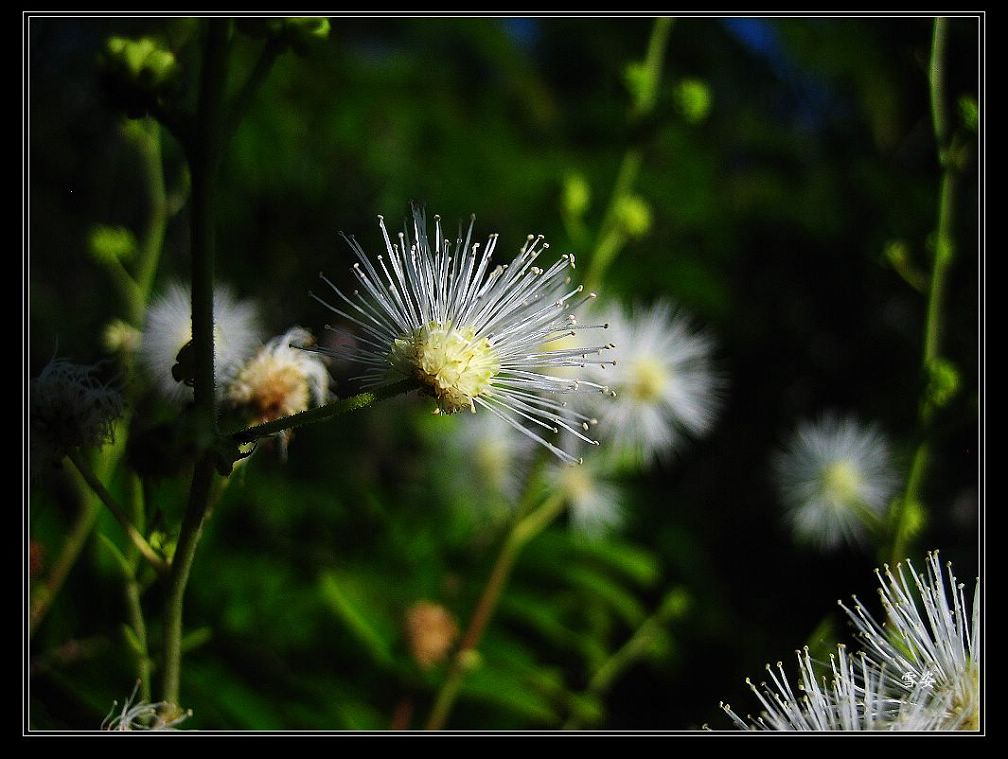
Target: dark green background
<point>769,223</point>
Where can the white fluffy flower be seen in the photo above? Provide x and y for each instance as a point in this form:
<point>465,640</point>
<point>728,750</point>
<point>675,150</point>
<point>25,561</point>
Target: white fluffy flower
<point>594,503</point>
<point>168,328</point>
<point>69,408</point>
<point>469,333</point>
<point>920,671</point>
<point>280,380</point>
<point>500,456</point>
<point>834,476</point>
<point>664,380</point>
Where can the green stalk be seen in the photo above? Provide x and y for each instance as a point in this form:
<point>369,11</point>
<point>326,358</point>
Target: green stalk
<point>322,413</point>
<point>903,518</point>
<point>134,609</point>
<point>610,239</point>
<point>204,156</point>
<point>523,531</point>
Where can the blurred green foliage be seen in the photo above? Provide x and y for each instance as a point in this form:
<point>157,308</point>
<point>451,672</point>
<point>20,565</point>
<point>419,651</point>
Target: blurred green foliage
<point>782,160</point>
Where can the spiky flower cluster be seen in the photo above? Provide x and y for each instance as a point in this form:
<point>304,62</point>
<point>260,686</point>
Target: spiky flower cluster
<point>144,715</point>
<point>919,671</point>
<point>70,408</point>
<point>468,333</point>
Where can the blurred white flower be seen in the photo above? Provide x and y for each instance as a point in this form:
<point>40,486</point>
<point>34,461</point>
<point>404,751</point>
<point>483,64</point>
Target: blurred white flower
<point>168,328</point>
<point>469,333</point>
<point>500,457</point>
<point>594,502</point>
<point>280,380</point>
<point>920,671</point>
<point>69,408</point>
<point>664,380</point>
<point>834,476</point>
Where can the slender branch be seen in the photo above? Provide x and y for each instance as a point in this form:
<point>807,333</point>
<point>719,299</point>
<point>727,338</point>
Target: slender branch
<point>204,161</point>
<point>610,240</point>
<point>523,531</point>
<point>134,608</point>
<point>908,505</point>
<point>138,540</point>
<point>185,551</point>
<point>245,96</point>
<point>322,413</point>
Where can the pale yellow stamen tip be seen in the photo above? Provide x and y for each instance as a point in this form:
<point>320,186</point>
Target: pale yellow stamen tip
<point>647,380</point>
<point>452,363</point>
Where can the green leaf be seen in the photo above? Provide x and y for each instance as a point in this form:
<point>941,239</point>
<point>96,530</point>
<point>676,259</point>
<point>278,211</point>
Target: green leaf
<point>133,641</point>
<point>506,692</point>
<point>631,561</point>
<point>116,554</point>
<point>603,587</point>
<point>542,617</point>
<point>358,619</point>
<point>196,638</point>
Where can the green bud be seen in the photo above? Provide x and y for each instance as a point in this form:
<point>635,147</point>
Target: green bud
<point>304,32</point>
<point>111,244</point>
<point>162,544</point>
<point>470,660</point>
<point>969,112</point>
<point>914,519</point>
<point>635,77</point>
<point>943,382</point>
<point>576,194</point>
<point>694,100</point>
<point>143,63</point>
<point>633,214</point>
<point>896,253</point>
<point>675,604</point>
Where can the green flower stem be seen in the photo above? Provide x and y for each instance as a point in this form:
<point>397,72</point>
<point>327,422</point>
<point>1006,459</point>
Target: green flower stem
<point>72,547</point>
<point>260,71</point>
<point>134,608</point>
<point>322,413</point>
<point>628,653</point>
<point>185,551</point>
<point>149,143</point>
<point>204,155</point>
<point>610,238</point>
<point>906,515</point>
<point>138,540</point>
<point>524,530</point>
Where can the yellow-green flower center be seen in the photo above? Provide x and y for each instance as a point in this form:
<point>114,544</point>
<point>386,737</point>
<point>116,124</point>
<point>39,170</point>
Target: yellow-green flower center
<point>452,363</point>
<point>576,483</point>
<point>842,481</point>
<point>647,380</point>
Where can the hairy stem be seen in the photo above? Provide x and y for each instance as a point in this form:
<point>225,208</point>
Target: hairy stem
<point>322,413</point>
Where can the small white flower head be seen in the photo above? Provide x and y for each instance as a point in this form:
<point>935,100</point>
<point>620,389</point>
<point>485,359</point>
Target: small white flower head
<point>919,671</point>
<point>168,329</point>
<point>468,332</point>
<point>835,475</point>
<point>69,408</point>
<point>594,502</point>
<point>281,380</point>
<point>144,716</point>
<point>499,455</point>
<point>929,650</point>
<point>664,380</point>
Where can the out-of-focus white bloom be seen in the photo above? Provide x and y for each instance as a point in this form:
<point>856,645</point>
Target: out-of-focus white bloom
<point>920,671</point>
<point>835,475</point>
<point>594,502</point>
<point>469,333</point>
<point>144,716</point>
<point>120,337</point>
<point>499,456</point>
<point>280,380</point>
<point>168,328</point>
<point>928,650</point>
<point>69,408</point>
<point>664,380</point>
